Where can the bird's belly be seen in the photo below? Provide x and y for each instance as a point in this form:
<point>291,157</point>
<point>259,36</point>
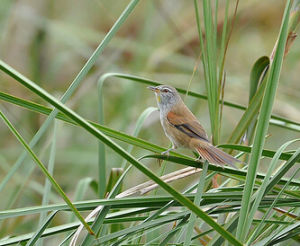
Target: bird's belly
<point>178,138</point>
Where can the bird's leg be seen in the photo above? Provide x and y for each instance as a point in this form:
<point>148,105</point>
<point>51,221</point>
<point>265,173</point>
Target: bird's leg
<point>168,150</point>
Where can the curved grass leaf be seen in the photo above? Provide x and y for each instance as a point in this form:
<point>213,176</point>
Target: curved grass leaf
<point>200,188</point>
<point>284,122</point>
<point>247,149</point>
<point>257,74</point>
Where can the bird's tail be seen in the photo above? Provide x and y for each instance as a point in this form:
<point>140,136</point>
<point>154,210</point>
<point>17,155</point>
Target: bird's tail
<point>216,156</point>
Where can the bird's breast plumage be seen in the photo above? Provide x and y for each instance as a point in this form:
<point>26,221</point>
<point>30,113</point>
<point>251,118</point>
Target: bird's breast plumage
<point>178,138</point>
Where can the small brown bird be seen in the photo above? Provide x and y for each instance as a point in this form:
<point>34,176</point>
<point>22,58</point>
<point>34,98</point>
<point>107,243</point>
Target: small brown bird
<point>183,128</point>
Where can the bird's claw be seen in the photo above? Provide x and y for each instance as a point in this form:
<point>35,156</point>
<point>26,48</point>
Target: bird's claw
<point>167,152</point>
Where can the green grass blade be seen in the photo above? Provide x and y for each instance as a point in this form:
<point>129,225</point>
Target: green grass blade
<point>222,170</point>
<point>104,211</point>
<point>248,115</point>
<point>125,137</point>
<point>145,226</point>
<point>200,188</point>
<point>39,232</point>
<point>80,191</point>
<point>257,73</point>
<point>151,202</point>
<point>285,122</point>
<point>287,166</point>
<point>263,122</point>
<point>174,231</point>
<point>47,187</point>
<point>276,120</point>
<point>101,146</point>
<point>247,149</point>
<point>45,171</point>
<point>211,84</point>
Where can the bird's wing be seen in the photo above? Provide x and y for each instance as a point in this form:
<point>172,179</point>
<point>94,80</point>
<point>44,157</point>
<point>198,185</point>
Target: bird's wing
<point>187,124</point>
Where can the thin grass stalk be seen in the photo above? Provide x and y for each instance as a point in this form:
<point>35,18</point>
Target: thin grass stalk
<point>74,85</point>
<point>101,146</point>
<point>45,171</point>
<point>203,52</point>
<point>200,189</point>
<point>47,187</point>
<point>223,52</point>
<point>223,44</point>
<point>262,125</point>
<point>33,240</point>
<point>215,23</point>
<point>211,84</point>
<point>222,75</point>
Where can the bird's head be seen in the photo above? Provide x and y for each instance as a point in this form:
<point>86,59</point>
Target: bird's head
<point>166,96</point>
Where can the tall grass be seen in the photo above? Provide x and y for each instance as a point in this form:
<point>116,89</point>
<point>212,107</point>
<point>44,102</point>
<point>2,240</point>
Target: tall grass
<point>219,208</point>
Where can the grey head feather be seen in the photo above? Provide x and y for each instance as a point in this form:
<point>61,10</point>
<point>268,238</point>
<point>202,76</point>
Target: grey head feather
<point>167,97</point>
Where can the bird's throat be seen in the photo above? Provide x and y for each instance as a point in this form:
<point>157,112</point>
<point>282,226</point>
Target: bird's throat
<point>157,97</point>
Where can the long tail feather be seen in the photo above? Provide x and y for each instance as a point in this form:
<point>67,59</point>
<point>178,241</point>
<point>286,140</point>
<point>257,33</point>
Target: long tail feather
<point>216,156</point>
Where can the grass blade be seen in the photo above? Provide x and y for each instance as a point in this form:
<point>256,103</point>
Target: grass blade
<point>211,167</point>
<point>263,120</point>
<point>200,188</point>
<point>39,233</point>
<point>47,187</point>
<point>257,74</point>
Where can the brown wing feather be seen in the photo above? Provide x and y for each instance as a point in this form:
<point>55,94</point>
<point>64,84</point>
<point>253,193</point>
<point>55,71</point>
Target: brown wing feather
<point>187,124</point>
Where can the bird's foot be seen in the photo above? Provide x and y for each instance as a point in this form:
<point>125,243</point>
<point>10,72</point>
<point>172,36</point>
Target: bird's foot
<point>167,152</point>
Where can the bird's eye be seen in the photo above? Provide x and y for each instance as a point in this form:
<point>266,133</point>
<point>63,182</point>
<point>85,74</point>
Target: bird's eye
<point>165,90</point>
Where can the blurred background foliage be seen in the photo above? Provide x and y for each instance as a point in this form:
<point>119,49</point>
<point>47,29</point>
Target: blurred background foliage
<point>49,42</point>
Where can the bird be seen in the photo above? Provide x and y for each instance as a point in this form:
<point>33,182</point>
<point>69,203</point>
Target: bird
<point>183,128</point>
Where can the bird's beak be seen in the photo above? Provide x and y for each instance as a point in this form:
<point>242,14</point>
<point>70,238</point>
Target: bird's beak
<point>153,88</point>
